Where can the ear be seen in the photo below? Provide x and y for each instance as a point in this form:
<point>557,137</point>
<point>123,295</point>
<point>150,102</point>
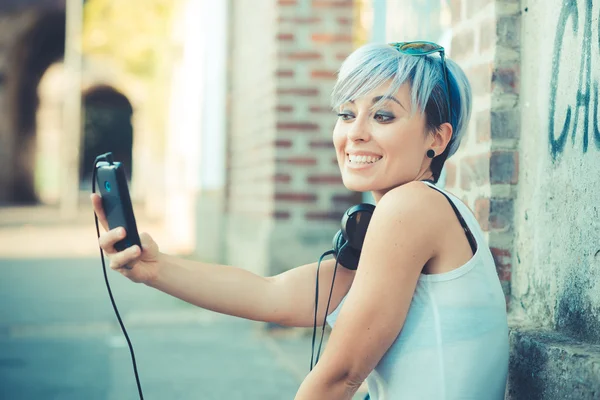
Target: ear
<point>440,138</point>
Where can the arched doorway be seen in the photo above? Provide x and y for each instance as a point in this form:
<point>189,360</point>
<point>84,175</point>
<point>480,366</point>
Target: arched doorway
<point>33,52</point>
<point>107,126</point>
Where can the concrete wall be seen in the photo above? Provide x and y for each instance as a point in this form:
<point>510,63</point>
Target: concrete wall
<point>555,282</point>
<point>558,216</point>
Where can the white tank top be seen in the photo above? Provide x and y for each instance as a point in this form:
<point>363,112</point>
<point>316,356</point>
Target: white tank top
<point>454,342</point>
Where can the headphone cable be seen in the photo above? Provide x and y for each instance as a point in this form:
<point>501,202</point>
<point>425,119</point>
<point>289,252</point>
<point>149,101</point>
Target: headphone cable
<point>108,159</point>
<point>312,353</point>
<point>328,304</point>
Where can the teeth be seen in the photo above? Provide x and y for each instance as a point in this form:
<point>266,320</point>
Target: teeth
<point>362,159</point>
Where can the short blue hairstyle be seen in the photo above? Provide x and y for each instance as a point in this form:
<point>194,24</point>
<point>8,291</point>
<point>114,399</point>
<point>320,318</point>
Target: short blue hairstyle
<point>372,65</point>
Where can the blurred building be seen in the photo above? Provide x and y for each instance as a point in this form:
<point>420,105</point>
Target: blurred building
<point>230,141</point>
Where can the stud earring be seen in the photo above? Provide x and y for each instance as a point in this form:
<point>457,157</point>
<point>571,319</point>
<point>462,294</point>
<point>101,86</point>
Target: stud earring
<point>430,153</point>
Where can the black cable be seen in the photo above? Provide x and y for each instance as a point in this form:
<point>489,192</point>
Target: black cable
<point>329,301</point>
<point>112,300</point>
<point>312,353</point>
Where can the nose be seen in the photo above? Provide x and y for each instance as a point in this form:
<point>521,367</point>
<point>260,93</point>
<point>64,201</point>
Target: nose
<point>359,130</point>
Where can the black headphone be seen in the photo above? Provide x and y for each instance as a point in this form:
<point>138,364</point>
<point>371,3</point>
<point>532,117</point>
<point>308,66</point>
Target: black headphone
<point>348,241</point>
<point>347,245</point>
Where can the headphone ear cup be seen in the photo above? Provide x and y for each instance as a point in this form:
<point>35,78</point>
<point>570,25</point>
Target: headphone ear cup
<point>347,257</point>
<point>355,223</point>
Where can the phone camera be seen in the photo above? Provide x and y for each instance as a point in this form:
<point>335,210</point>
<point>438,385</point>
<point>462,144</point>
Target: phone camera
<point>107,186</point>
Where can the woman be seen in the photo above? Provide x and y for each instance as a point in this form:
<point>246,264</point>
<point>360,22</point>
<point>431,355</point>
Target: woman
<point>424,315</point>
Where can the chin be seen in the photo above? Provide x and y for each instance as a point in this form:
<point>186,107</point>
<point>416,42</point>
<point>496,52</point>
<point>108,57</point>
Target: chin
<point>359,185</point>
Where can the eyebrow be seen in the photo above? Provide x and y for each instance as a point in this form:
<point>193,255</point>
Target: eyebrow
<point>378,98</point>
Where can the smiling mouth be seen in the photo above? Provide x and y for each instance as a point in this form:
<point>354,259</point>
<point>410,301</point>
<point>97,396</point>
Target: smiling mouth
<point>362,160</point>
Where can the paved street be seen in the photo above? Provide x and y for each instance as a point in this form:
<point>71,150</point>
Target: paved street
<point>60,339</point>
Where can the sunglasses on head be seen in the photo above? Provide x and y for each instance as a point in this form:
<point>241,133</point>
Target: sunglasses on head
<point>422,48</point>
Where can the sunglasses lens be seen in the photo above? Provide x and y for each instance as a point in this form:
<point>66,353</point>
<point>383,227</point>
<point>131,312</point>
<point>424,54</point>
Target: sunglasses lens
<point>419,47</point>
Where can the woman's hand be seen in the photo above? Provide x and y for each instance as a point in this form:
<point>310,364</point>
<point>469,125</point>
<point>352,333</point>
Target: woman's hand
<point>139,265</point>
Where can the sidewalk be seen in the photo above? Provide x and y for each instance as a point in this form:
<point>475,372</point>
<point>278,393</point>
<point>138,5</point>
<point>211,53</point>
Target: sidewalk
<point>39,232</point>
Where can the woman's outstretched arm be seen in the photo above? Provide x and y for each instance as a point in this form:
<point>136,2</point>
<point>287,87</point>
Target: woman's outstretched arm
<point>286,299</point>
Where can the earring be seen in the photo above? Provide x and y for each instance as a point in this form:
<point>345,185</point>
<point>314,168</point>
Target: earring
<point>430,153</point>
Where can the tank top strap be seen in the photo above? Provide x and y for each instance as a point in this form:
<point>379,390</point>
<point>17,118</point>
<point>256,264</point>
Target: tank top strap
<point>470,237</point>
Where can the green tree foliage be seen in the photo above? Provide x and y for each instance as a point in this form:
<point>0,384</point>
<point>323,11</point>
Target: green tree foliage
<point>131,32</point>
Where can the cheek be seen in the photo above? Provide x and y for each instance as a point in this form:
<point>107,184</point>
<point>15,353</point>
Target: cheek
<point>339,138</point>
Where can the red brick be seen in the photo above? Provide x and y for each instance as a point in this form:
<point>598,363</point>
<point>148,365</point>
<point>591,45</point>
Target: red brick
<point>300,20</point>
<point>475,171</point>
<point>281,214</point>
<point>285,108</point>
<point>320,109</point>
<point>344,21</point>
<point>503,260</point>
<point>299,91</point>
<point>285,73</point>
<point>305,161</point>
<point>329,38</point>
<point>328,179</point>
<point>331,3</point>
<point>297,126</point>
<point>345,200</point>
<point>283,143</point>
<point>450,174</point>
<point>483,126</point>
<point>282,178</point>
<point>296,197</point>
<point>506,79</point>
<point>323,215</point>
<point>321,144</point>
<point>341,56</point>
<point>285,37</point>
<point>505,124</point>
<point>303,55</point>
<point>287,2</point>
<point>504,167</point>
<point>323,74</point>
<point>482,212</point>
<point>501,214</point>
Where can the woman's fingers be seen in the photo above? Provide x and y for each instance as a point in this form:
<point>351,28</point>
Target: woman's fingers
<point>108,239</point>
<point>99,210</point>
<point>124,258</point>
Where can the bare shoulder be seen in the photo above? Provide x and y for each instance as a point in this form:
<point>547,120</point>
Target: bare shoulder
<point>414,198</point>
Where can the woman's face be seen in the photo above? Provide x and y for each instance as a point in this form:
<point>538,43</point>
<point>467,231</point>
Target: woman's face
<point>381,148</point>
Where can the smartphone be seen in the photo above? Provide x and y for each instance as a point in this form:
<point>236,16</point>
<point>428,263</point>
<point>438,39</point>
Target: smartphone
<point>116,202</point>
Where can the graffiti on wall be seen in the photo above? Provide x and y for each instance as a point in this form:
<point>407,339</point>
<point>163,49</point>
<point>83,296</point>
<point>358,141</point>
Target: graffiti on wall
<point>577,117</point>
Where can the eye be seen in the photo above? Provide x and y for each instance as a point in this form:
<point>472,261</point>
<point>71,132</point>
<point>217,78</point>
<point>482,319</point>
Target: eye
<point>383,117</point>
<point>345,115</point>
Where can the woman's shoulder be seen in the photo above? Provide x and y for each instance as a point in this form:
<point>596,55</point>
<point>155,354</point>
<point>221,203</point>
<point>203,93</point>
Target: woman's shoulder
<point>426,204</point>
<point>415,195</point>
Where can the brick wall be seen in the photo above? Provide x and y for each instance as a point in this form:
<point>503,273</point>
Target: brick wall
<point>285,196</point>
<point>313,39</point>
<point>484,172</point>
